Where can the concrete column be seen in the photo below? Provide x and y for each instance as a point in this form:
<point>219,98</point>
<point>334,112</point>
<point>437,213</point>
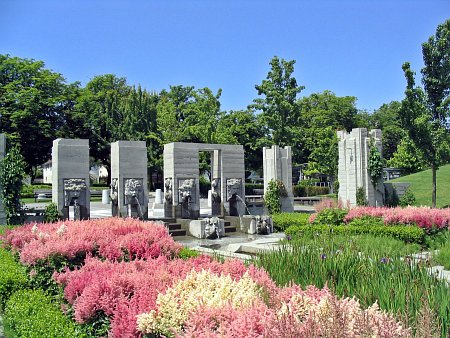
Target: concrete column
<point>129,168</point>
<point>277,165</point>
<point>70,176</point>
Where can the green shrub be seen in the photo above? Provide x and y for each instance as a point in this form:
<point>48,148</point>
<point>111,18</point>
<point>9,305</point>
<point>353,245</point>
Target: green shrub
<point>13,276</point>
<point>331,216</point>
<point>408,234</point>
<point>12,173</point>
<point>361,199</point>
<point>186,253</point>
<point>272,197</point>
<point>307,191</point>
<point>51,213</point>
<point>249,188</point>
<point>286,219</point>
<point>205,186</point>
<point>408,198</point>
<point>442,257</point>
<point>32,314</point>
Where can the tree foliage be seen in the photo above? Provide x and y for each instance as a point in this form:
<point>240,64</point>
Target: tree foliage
<point>279,107</point>
<point>424,112</point>
<point>12,172</point>
<point>35,107</point>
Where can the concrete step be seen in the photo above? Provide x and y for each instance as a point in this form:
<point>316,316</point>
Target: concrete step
<point>173,226</point>
<point>177,232</point>
<point>230,229</point>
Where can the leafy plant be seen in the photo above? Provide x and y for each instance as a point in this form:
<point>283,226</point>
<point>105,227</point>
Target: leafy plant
<point>286,219</point>
<point>331,216</point>
<point>33,314</point>
<point>361,199</point>
<point>51,213</point>
<point>13,276</point>
<point>12,172</point>
<point>375,165</point>
<point>275,191</point>
<point>408,198</point>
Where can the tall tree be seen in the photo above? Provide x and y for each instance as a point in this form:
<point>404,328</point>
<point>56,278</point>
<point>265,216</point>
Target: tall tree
<point>425,113</point>
<point>279,107</point>
<point>388,120</point>
<point>34,105</point>
<point>100,106</point>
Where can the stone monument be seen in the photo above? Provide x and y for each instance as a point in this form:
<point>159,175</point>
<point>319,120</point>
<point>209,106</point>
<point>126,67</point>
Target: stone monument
<point>70,177</point>
<point>129,169</point>
<point>181,177</point>
<point>354,148</point>
<point>277,165</point>
<point>2,156</point>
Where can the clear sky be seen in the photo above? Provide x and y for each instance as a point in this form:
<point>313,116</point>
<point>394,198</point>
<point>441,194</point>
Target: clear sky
<point>349,47</point>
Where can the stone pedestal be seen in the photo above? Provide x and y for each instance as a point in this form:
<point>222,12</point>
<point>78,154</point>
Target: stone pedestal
<point>211,228</point>
<point>2,156</point>
<point>129,170</point>
<point>353,173</point>
<point>158,206</point>
<point>70,177</point>
<point>277,165</point>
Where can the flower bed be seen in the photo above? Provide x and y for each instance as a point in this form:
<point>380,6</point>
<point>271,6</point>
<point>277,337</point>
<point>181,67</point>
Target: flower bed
<point>423,217</point>
<point>109,238</point>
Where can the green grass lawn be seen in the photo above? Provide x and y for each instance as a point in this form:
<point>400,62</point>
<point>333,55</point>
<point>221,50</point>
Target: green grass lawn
<point>421,186</point>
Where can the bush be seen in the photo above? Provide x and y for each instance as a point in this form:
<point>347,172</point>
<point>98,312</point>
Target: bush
<point>249,188</point>
<point>27,190</point>
<point>205,186</point>
<point>13,276</point>
<point>331,216</point>
<point>361,199</point>
<point>307,191</point>
<point>284,220</point>
<point>51,213</point>
<point>275,191</point>
<point>186,253</point>
<point>407,199</point>
<point>408,234</point>
<point>32,314</point>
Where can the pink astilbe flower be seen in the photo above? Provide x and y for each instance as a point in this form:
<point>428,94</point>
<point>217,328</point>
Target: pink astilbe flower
<point>110,238</point>
<point>122,290</point>
<point>423,217</point>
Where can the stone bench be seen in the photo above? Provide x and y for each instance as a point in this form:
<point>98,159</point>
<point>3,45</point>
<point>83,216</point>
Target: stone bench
<point>307,200</point>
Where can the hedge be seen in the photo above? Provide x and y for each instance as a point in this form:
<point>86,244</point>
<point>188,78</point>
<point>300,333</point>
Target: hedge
<point>406,233</point>
<point>32,314</point>
<point>307,191</point>
<point>13,276</point>
<point>284,220</point>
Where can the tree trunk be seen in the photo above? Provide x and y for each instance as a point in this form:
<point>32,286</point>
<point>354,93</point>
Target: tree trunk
<point>433,190</point>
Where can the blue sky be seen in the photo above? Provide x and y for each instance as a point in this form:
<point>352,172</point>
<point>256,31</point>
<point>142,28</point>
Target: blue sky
<point>352,48</point>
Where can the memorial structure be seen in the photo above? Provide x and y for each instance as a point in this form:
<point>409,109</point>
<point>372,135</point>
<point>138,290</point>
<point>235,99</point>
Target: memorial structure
<point>181,177</point>
<point>354,148</point>
<point>70,177</point>
<point>129,179</point>
<point>277,165</point>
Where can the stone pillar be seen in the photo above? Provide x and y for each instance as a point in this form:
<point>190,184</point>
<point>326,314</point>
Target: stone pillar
<point>181,168</point>
<point>129,172</point>
<point>232,179</point>
<point>2,156</point>
<point>70,177</point>
<point>354,148</point>
<point>277,165</point>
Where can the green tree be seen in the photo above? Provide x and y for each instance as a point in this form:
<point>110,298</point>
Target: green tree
<point>424,113</point>
<point>243,127</point>
<point>323,114</point>
<point>388,120</point>
<point>100,106</point>
<point>12,172</point>
<point>407,157</point>
<point>279,108</point>
<point>35,107</point>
